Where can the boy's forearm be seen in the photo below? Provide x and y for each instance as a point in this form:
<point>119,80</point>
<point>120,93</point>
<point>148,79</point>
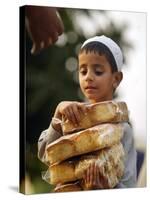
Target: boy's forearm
<point>46,137</point>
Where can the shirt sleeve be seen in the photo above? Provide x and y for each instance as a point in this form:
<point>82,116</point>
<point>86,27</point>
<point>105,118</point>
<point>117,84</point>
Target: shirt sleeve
<point>47,136</point>
<point>129,178</point>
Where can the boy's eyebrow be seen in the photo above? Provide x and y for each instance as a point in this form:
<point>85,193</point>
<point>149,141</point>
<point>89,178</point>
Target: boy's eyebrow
<point>93,65</point>
<point>97,65</point>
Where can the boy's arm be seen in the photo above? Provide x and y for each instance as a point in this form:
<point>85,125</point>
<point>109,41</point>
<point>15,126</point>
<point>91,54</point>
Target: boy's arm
<point>47,136</point>
<point>130,175</point>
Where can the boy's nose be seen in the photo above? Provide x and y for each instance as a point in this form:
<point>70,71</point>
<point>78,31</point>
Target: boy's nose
<point>89,76</point>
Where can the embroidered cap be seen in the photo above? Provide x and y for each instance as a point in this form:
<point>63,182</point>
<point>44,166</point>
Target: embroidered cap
<point>113,47</point>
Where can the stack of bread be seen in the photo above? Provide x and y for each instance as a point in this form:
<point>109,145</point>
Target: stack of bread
<point>96,139</point>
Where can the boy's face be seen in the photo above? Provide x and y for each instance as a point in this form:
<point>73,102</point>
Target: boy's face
<point>96,79</point>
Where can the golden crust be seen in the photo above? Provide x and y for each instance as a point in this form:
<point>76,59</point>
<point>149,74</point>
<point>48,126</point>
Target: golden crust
<point>70,187</point>
<point>99,113</point>
<point>110,161</point>
<point>89,140</point>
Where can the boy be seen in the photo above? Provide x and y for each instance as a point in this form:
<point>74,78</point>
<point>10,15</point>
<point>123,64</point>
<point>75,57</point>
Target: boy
<point>100,62</point>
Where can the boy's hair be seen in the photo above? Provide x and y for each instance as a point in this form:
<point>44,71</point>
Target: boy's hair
<point>101,49</point>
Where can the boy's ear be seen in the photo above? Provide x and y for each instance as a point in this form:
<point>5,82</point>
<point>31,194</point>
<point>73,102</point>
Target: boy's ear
<point>118,76</point>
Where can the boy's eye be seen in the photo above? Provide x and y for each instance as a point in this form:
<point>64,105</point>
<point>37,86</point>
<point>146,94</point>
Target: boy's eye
<point>83,72</point>
<point>98,73</point>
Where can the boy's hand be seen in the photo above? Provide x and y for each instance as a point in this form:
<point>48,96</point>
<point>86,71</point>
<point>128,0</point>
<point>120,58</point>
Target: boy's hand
<point>71,110</point>
<point>93,177</point>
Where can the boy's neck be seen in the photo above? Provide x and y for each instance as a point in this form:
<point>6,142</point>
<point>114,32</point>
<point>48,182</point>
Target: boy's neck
<point>100,100</point>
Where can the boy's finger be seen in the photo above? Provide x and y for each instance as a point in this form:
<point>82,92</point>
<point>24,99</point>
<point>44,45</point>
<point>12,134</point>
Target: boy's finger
<point>76,113</point>
<point>64,117</point>
<point>97,176</point>
<point>91,173</point>
<point>88,175</point>
<point>103,180</point>
<point>95,173</point>
<point>73,116</point>
<point>68,115</point>
<point>85,176</point>
<point>100,179</point>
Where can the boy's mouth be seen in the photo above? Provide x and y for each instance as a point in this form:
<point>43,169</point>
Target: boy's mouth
<point>90,88</point>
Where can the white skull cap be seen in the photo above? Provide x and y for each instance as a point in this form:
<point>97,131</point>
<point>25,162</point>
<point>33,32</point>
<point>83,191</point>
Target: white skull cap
<point>113,47</point>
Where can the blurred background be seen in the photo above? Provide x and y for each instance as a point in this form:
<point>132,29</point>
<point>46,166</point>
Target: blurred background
<point>51,77</point>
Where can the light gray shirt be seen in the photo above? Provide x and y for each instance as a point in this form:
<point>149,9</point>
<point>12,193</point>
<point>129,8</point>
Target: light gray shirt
<point>130,174</point>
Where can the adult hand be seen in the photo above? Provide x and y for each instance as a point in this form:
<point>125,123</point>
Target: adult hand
<point>43,25</point>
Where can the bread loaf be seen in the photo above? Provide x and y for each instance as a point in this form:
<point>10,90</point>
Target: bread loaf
<point>70,187</point>
<point>110,161</point>
<point>108,111</point>
<point>92,139</point>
